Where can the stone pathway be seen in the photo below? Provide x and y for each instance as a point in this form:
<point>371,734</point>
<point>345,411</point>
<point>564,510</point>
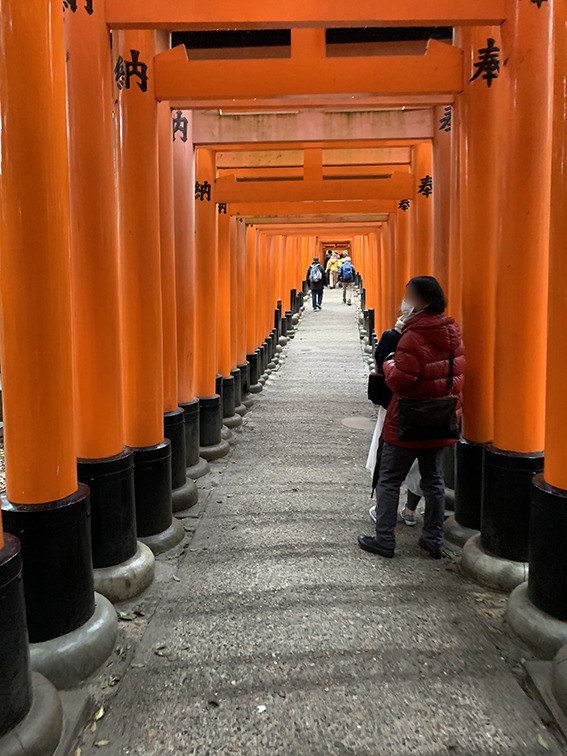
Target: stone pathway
<point>272,634</point>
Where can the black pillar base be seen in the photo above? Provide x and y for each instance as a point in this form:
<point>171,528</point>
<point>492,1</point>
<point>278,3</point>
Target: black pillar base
<point>284,326</point>
<point>261,359</point>
<point>211,422</point>
<point>278,320</point>
<point>468,483</point>
<point>55,539</point>
<point>191,418</point>
<point>236,375</point>
<point>254,362</point>
<point>218,390</point>
<point>506,495</point>
<point>228,396</point>
<point>152,485</point>
<point>363,300</point>
<point>113,507</point>
<point>16,687</point>
<point>174,430</point>
<point>288,317</point>
<point>245,374</point>
<point>547,582</point>
<point>293,303</point>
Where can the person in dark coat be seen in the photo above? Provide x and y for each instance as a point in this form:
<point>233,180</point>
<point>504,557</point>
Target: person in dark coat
<point>316,280</point>
<point>420,369</point>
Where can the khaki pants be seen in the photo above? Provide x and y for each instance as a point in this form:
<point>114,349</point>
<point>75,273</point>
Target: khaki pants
<point>347,287</point>
<point>333,278</point>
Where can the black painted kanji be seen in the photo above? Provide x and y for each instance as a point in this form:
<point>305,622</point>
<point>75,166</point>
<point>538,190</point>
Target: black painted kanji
<point>426,186</point>
<point>222,208</point>
<point>180,124</point>
<point>488,63</point>
<point>404,205</point>
<point>445,122</point>
<point>72,6</point>
<point>203,191</point>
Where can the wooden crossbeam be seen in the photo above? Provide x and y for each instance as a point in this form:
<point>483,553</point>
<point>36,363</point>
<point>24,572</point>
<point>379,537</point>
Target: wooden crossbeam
<point>308,72</point>
<point>266,14</point>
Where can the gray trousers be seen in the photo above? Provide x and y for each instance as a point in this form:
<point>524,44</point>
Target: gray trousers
<point>394,466</point>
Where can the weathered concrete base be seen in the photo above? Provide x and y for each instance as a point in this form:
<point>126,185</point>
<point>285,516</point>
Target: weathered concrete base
<point>449,500</point>
<point>185,496</point>
<point>368,349</point>
<point>456,533</point>
<point>295,319</point>
<point>283,340</point>
<point>226,433</point>
<point>68,660</point>
<point>216,451</point>
<point>233,422</point>
<point>241,409</point>
<point>256,388</point>
<point>39,732</point>
<point>127,579</point>
<point>279,349</point>
<point>261,381</point>
<point>248,402</point>
<point>197,471</point>
<point>492,571</point>
<point>559,678</point>
<point>165,540</point>
<point>272,365</point>
<point>540,631</point>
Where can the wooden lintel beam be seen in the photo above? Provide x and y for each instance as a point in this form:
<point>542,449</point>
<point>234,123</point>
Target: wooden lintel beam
<point>259,14</point>
<point>400,186</point>
<point>308,72</point>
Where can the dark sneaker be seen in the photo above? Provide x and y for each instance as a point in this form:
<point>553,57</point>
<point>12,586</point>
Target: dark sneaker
<point>433,553</point>
<point>410,520</point>
<point>368,543</point>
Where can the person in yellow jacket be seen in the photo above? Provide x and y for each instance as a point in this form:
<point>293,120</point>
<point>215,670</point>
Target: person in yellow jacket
<point>333,270</point>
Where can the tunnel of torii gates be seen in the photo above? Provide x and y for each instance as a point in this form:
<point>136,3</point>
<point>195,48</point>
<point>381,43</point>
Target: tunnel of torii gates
<point>159,210</point>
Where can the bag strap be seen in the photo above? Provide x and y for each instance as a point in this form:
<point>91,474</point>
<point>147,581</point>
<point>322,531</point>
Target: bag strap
<point>451,368</point>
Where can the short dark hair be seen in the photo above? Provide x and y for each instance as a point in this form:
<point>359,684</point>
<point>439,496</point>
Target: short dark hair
<point>431,292</point>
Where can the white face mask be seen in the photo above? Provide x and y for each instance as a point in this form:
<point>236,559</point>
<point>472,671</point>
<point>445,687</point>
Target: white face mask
<point>406,308</point>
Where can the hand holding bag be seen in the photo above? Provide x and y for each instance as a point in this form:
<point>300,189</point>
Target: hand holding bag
<point>378,392</point>
<point>429,419</point>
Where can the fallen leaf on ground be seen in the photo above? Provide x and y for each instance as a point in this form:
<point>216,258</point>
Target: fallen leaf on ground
<point>542,741</point>
<point>101,743</point>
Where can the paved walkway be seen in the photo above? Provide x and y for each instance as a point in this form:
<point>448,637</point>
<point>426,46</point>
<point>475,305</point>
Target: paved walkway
<point>272,634</point>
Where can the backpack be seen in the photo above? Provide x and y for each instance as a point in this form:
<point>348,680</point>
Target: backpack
<point>315,273</point>
<point>348,271</point>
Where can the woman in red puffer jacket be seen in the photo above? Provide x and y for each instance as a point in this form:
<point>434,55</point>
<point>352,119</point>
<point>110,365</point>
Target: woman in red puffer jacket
<point>420,369</point>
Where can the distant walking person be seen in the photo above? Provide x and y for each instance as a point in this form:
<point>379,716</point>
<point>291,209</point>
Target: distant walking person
<point>346,276</point>
<point>429,364</point>
<point>316,280</point>
<point>333,270</point>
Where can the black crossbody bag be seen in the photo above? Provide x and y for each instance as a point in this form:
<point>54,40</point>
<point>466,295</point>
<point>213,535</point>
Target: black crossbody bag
<point>429,419</point>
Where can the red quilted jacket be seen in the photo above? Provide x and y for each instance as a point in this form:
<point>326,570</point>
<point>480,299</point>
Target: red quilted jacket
<point>420,370</point>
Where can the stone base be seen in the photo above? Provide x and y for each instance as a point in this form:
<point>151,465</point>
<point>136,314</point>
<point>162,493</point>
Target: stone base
<point>261,381</point>
<point>272,365</point>
<point>248,402</point>
<point>492,571</point>
<point>456,533</point>
<point>540,631</point>
<point>39,732</point>
<point>279,349</point>
<point>197,471</point>
<point>216,451</point>
<point>185,496</point>
<point>449,500</point>
<point>69,659</point>
<point>125,580</point>
<point>241,410</point>
<point>283,340</point>
<point>165,540</point>
<point>233,422</point>
<point>226,433</point>
<point>256,388</point>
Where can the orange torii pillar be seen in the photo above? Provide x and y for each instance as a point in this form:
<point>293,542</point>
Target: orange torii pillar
<point>479,108</point>
<point>268,274</point>
<point>383,241</point>
<point>184,228</point>
<point>238,317</point>
<point>422,253</point>
<point>442,194</point>
<point>123,567</point>
<point>499,555</point>
<point>454,293</point>
<point>46,511</point>
<point>140,288</point>
<point>185,493</point>
<point>252,307</point>
<point>206,294</point>
<point>537,611</point>
<point>402,260</point>
<point>227,292</point>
